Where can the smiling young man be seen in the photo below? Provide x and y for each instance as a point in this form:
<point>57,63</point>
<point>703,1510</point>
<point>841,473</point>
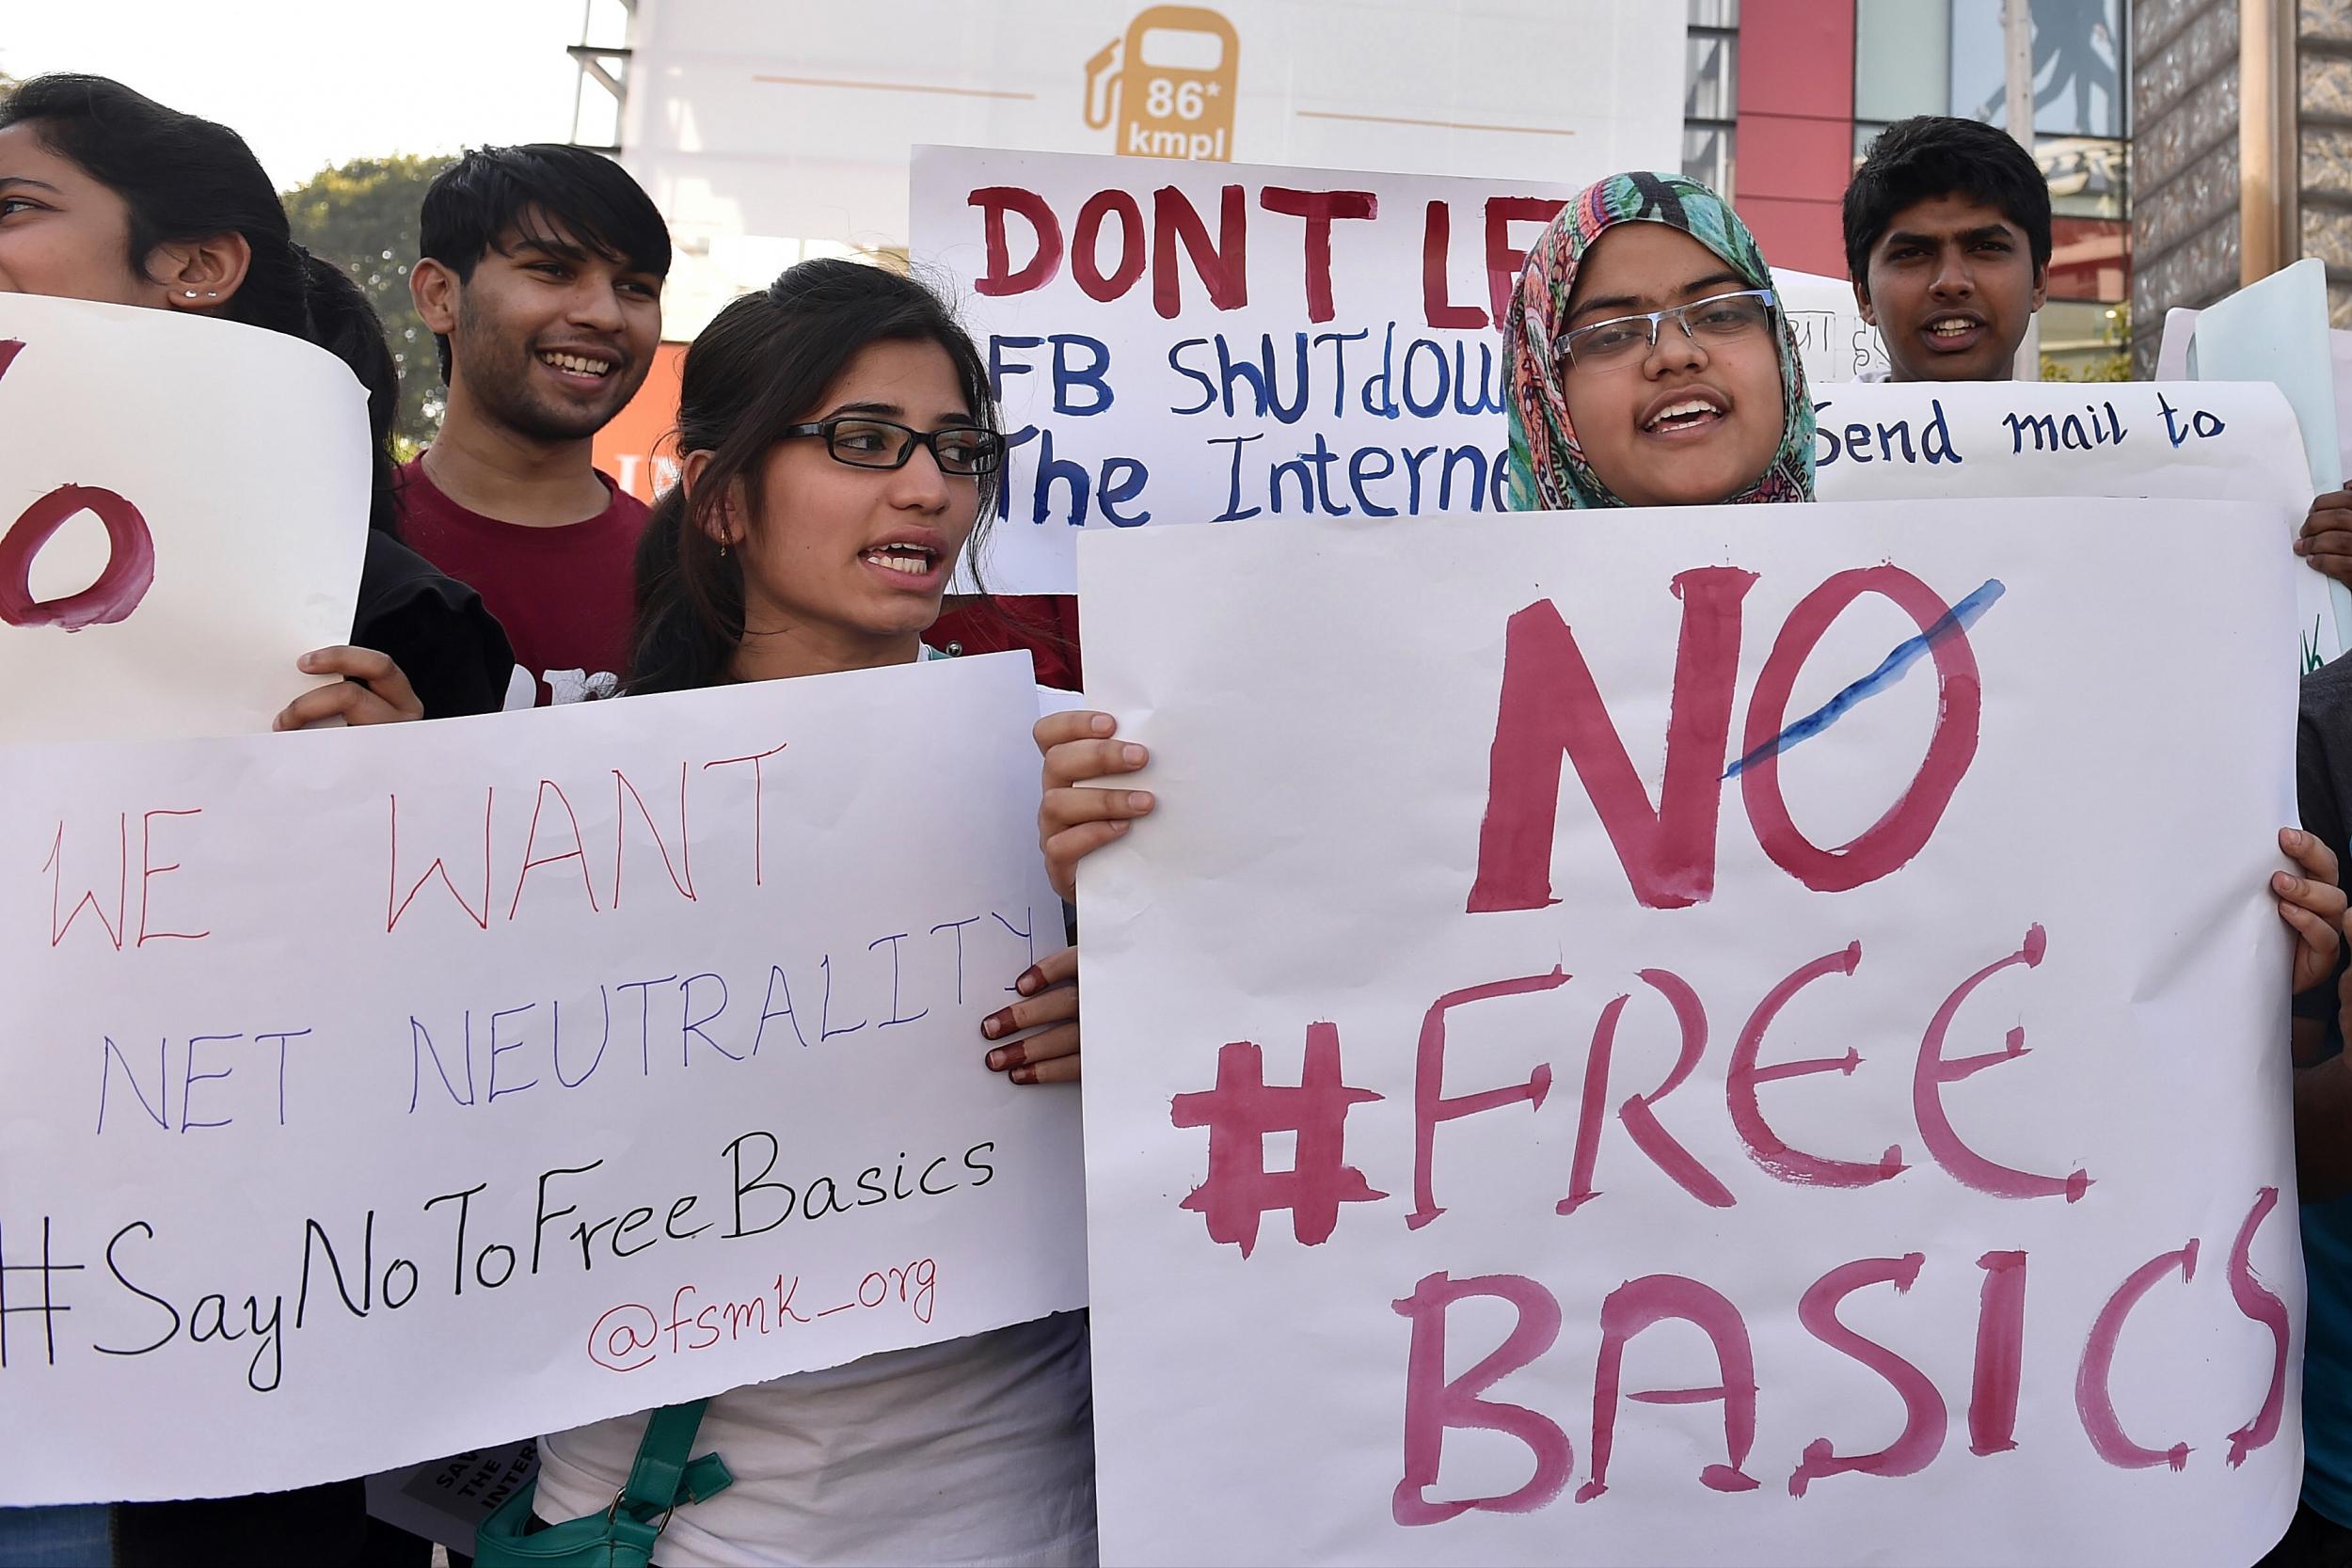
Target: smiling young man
<point>541,281</point>
<point>1947,240</point>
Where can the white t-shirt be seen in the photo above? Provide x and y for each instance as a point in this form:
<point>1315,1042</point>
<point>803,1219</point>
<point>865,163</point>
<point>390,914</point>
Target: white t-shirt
<point>968,1452</point>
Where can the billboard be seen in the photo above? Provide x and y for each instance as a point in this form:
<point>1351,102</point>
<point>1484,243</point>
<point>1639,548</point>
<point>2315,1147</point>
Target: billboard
<point>767,133</point>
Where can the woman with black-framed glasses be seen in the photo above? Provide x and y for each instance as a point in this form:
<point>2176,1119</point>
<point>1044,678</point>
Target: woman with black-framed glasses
<point>839,453</point>
<point>864,442</point>
<point>828,483</point>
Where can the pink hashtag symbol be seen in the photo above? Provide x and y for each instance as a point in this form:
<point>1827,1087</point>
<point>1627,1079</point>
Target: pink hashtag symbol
<point>1242,1110</point>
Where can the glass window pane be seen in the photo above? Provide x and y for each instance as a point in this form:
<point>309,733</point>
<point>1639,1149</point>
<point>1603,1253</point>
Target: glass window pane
<point>1715,13</point>
<point>2077,65</point>
<point>2090,259</point>
<point>2088,178</point>
<point>2085,342</point>
<point>1902,58</point>
<point>1712,92</point>
<point>1706,157</point>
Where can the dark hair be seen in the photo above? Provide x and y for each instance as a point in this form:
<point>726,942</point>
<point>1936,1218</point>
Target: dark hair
<point>472,203</point>
<point>185,178</point>
<point>762,364</point>
<point>1932,156</point>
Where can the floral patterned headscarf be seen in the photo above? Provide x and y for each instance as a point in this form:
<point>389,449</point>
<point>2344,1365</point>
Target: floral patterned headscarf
<point>1548,467</point>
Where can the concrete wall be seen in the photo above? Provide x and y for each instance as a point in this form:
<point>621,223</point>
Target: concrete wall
<point>2324,84</point>
<point>2184,174</point>
<point>2185,158</point>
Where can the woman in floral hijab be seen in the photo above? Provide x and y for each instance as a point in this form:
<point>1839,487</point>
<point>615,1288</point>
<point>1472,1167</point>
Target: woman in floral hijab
<point>1650,361</point>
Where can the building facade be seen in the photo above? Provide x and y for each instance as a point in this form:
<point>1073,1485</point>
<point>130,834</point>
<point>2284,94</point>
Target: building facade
<point>1784,97</point>
<point>2245,107</point>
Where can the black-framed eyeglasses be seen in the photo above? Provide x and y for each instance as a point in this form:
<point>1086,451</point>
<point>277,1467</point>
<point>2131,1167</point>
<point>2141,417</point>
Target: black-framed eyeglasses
<point>866,443</point>
<point>1622,340</point>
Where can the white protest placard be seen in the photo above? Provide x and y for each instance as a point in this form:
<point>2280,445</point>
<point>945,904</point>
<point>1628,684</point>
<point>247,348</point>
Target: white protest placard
<point>380,1094</point>
<point>1733,1035</point>
<point>2179,327</point>
<point>2340,364</point>
<point>183,506</point>
<point>2196,440</point>
<point>2276,330</point>
<point>1832,339</point>
<point>1188,342</point>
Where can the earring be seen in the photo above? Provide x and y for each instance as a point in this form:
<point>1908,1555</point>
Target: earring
<point>723,549</point>
<point>191,293</point>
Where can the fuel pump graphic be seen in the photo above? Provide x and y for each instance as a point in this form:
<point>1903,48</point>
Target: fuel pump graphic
<point>1170,83</point>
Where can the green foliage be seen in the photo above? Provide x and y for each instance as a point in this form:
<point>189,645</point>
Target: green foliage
<point>362,216</point>
<point>2115,364</point>
<point>2106,366</point>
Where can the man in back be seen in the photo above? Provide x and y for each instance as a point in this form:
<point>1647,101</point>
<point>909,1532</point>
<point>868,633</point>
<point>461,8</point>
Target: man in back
<point>1947,240</point>
<point>541,281</point>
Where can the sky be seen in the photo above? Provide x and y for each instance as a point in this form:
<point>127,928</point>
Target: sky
<point>309,83</point>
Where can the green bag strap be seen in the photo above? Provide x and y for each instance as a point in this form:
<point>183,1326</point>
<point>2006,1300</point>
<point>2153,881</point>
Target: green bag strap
<point>663,1478</point>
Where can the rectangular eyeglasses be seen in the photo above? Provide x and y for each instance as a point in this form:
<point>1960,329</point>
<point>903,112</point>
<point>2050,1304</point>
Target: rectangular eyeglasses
<point>867,443</point>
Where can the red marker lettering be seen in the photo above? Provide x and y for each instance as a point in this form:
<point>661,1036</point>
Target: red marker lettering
<point>1436,306</point>
<point>1639,1113</point>
<point>1635,1306</point>
<point>1319,209</point>
<point>1000,276</point>
<point>1964,1164</point>
<point>1766,1147</point>
<point>1223,267</point>
<point>395,906</point>
<point>1890,843</point>
<point>1432,1105</point>
<point>1085,243</point>
<point>2093,1403</point>
<point>148,871</point>
<point>1925,1418</point>
<point>1551,709</point>
<point>1433,1407</point>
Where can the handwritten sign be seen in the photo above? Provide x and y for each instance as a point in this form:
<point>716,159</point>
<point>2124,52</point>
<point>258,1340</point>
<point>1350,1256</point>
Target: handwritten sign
<point>1198,342</point>
<point>1832,339</point>
<point>2276,330</point>
<point>492,1076</point>
<point>2172,364</point>
<point>184,505</point>
<point>1714,1044</point>
<point>2208,440</point>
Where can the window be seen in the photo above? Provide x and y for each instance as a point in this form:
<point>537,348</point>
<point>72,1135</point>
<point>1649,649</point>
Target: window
<point>1865,133</point>
<point>1710,104</point>
<point>1901,59</point>
<point>2080,66</point>
<point>2088,178</point>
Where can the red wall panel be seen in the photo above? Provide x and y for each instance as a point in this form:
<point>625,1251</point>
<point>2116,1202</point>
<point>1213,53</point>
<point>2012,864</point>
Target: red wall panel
<point>1796,58</point>
<point>1795,136</point>
<point>1793,160</point>
<point>1799,234</point>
